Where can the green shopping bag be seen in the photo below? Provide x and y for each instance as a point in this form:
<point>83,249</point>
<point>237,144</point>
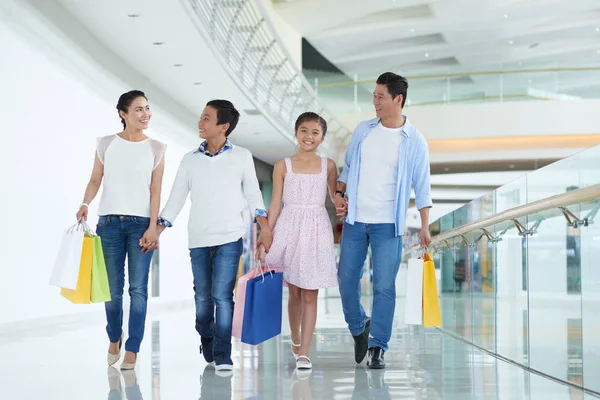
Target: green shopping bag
<point>100,288</point>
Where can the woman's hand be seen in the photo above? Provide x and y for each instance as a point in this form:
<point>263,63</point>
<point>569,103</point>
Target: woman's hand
<point>82,213</point>
<point>149,241</point>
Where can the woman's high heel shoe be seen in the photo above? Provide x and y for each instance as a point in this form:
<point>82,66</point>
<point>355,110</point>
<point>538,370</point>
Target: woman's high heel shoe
<point>113,358</point>
<point>128,366</point>
<point>292,349</point>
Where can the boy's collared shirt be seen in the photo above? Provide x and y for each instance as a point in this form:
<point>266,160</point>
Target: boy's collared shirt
<point>413,171</point>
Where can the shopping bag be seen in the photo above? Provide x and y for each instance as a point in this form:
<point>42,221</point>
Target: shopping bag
<point>240,298</point>
<point>100,287</point>
<point>240,302</point>
<point>82,293</point>
<point>432,315</point>
<point>66,266</point>
<point>413,311</point>
<point>263,307</point>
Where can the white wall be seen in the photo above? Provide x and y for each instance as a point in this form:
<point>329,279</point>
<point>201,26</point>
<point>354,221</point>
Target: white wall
<point>51,116</point>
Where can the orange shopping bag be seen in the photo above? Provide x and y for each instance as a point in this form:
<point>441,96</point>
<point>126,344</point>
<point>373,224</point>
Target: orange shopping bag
<point>83,293</point>
<point>432,315</point>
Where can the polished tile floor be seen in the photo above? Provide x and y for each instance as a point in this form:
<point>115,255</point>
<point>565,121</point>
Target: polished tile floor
<point>66,362</point>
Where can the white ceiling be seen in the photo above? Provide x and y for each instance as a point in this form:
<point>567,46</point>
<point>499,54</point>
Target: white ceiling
<point>416,37</point>
<point>159,41</point>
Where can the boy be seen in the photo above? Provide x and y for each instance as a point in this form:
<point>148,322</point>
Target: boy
<point>220,178</point>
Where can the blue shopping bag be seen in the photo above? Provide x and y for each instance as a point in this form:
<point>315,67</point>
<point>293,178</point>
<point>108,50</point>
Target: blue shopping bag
<point>263,307</point>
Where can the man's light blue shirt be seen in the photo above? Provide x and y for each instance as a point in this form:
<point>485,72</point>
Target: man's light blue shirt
<point>413,171</point>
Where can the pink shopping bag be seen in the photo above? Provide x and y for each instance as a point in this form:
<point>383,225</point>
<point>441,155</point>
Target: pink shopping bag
<point>240,298</point>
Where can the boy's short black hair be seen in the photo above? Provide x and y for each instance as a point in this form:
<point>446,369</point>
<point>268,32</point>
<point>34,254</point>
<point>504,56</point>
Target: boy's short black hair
<point>226,114</point>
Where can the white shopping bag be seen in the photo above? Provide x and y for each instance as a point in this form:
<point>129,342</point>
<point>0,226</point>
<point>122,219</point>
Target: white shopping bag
<point>413,312</point>
<point>66,266</point>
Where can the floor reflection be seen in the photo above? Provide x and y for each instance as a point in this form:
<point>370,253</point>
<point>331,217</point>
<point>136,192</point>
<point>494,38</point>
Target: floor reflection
<point>421,364</point>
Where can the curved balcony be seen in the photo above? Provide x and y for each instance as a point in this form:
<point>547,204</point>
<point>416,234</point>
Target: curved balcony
<point>246,43</point>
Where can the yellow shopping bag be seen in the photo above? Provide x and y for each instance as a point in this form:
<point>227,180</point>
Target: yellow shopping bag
<point>432,315</point>
<point>82,294</point>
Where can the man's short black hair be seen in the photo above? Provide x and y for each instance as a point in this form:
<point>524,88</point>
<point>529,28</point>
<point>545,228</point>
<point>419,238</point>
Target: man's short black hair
<point>396,85</point>
<point>226,114</point>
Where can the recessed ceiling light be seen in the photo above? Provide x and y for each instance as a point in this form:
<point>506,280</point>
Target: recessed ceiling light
<point>133,15</point>
<point>598,29</point>
<point>178,65</point>
<point>426,54</point>
<point>256,133</point>
<point>505,15</point>
<point>598,51</point>
<point>197,83</point>
<point>511,42</point>
<point>412,30</point>
<point>158,43</point>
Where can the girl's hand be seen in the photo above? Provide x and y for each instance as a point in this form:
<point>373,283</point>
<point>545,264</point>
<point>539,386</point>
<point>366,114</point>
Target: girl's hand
<point>82,213</point>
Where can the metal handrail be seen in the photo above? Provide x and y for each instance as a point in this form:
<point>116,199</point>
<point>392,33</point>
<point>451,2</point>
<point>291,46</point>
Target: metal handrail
<point>540,209</point>
<point>461,74</point>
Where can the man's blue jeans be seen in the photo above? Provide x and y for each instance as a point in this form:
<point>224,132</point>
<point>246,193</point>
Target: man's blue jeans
<point>386,250</point>
<point>121,238</point>
<point>215,271</point>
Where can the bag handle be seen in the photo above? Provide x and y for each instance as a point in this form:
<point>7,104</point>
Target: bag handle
<point>83,226</point>
<point>260,266</point>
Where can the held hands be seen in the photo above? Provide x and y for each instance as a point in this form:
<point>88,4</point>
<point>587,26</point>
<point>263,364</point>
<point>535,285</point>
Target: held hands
<point>341,206</point>
<point>265,239</point>
<point>260,253</point>
<point>149,241</point>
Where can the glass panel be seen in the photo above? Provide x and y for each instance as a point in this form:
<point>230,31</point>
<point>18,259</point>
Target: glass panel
<point>590,275</point>
<point>511,272</point>
<point>553,272</point>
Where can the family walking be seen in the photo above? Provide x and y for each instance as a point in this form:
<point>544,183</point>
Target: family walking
<point>386,157</point>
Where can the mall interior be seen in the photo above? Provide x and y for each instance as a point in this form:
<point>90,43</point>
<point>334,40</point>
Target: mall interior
<point>504,92</point>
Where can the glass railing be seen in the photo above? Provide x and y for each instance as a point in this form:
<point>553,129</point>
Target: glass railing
<point>459,85</point>
<point>519,270</point>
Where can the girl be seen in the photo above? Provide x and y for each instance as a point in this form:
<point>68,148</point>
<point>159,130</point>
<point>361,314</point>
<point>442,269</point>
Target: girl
<point>302,233</point>
<point>132,166</point>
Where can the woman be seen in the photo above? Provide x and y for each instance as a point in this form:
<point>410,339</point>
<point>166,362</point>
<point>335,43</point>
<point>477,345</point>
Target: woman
<point>132,166</point>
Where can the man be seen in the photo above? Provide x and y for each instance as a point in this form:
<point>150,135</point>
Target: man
<point>221,178</point>
<point>385,157</point>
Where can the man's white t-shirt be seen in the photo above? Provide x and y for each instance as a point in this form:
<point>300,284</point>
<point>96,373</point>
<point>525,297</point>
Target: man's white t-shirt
<point>377,189</point>
<point>128,168</point>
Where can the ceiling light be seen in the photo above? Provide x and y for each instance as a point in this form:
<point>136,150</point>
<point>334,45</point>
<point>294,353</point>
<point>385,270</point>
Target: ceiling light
<point>598,51</point>
<point>158,43</point>
<point>598,29</point>
<point>197,83</point>
<point>133,15</point>
<point>426,54</point>
<point>511,166</point>
<point>511,42</point>
<point>412,30</point>
<point>178,65</point>
<point>446,169</point>
<point>256,133</point>
<point>505,15</point>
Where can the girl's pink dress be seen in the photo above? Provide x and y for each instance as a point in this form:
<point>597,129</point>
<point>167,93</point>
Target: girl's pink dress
<point>303,237</point>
